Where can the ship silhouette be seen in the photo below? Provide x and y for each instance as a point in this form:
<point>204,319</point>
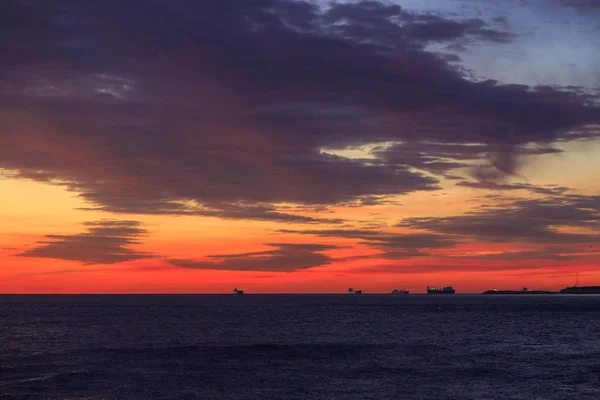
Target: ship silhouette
<point>444,290</point>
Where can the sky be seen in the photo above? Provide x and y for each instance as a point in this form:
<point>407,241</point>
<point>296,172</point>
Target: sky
<point>298,146</point>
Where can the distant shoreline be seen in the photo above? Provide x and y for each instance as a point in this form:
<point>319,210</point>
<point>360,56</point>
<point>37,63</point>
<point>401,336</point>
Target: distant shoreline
<point>294,294</point>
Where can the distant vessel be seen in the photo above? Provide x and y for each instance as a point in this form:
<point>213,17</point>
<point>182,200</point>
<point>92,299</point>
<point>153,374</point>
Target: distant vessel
<point>400,291</point>
<point>237,291</point>
<point>445,290</point>
<point>581,290</point>
<point>352,291</point>
<point>522,291</point>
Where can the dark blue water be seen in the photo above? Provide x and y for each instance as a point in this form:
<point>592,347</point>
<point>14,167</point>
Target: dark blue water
<point>300,347</point>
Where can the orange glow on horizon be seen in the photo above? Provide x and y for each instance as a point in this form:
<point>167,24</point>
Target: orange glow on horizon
<point>469,266</point>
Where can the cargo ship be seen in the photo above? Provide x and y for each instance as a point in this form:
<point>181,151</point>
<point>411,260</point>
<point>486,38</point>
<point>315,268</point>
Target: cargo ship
<point>522,291</point>
<point>581,290</point>
<point>237,291</point>
<point>352,291</point>
<point>400,291</point>
<point>445,290</point>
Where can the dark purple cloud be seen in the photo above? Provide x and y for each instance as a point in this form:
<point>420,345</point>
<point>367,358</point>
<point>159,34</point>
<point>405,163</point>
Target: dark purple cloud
<point>390,245</point>
<point>525,221</point>
<point>285,257</point>
<point>220,107</point>
<point>220,210</point>
<point>435,28</point>
<point>109,241</point>
<point>105,242</point>
<point>441,158</point>
<point>547,189</point>
<point>584,4</point>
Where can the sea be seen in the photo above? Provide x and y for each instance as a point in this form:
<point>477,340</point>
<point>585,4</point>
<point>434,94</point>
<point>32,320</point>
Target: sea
<point>93,347</point>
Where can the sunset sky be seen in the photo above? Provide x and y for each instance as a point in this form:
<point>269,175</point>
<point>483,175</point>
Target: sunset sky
<point>298,147</point>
